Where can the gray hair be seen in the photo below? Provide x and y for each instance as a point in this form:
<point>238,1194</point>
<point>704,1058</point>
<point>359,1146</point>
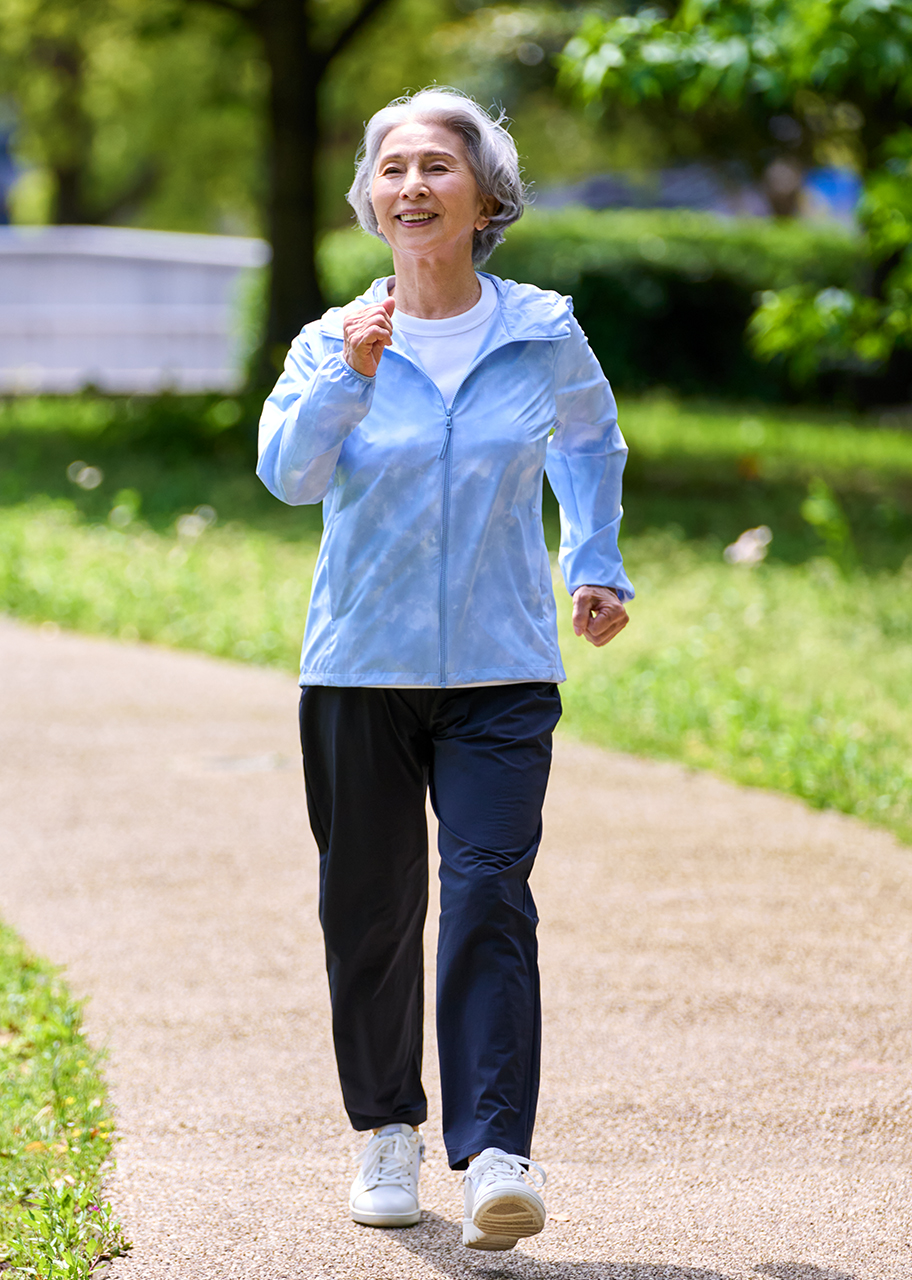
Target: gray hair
<point>490,149</point>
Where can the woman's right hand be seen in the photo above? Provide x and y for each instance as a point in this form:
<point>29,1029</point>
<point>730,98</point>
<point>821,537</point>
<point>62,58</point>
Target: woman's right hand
<point>366,331</point>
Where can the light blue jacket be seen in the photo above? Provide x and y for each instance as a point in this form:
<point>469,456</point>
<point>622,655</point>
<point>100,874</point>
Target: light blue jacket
<point>433,568</point>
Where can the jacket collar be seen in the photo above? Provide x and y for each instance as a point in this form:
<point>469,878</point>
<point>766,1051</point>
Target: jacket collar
<point>525,311</point>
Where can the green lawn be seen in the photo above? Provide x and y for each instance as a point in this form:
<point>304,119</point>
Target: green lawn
<point>55,1127</point>
<point>795,673</point>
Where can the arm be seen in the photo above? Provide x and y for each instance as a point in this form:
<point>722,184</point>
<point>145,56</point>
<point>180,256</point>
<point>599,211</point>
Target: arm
<point>315,406</point>
<point>585,463</point>
<point>318,402</point>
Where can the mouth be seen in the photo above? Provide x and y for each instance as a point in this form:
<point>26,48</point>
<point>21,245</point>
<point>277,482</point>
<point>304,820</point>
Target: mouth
<point>411,219</point>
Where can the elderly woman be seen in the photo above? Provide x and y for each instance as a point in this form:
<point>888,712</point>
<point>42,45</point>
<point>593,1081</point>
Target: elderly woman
<point>423,415</point>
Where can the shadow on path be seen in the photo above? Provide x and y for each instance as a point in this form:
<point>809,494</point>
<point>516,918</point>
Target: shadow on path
<point>438,1243</point>
<point>798,1271</point>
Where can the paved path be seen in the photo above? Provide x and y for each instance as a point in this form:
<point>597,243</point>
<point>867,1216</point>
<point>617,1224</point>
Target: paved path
<point>728,1054</point>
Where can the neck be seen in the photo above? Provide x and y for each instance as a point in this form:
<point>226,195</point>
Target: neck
<point>433,290</point>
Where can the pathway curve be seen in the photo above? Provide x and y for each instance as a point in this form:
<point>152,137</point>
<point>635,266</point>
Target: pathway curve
<point>727,1089</point>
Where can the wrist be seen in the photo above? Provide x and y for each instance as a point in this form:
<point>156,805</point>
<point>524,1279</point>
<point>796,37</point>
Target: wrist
<point>369,377</point>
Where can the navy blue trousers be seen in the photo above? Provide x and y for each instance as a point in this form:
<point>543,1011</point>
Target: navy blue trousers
<point>369,757</point>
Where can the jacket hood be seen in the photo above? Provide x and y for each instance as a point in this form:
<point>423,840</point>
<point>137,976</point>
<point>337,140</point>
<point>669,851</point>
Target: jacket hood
<point>525,310</point>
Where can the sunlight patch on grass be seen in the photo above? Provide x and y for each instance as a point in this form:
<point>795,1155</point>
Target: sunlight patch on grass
<point>775,441</point>
<point>230,592</point>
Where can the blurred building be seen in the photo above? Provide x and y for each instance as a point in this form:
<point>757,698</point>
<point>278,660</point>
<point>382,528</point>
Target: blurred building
<point>690,186</point>
<point>831,192</point>
<point>787,189</point>
<point>121,309</point>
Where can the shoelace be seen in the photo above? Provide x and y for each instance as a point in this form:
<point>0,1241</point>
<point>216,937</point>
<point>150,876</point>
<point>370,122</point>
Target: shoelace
<point>496,1164</point>
<point>387,1160</point>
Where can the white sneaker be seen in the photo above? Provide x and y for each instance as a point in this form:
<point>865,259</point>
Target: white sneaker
<point>502,1203</point>
<point>385,1192</point>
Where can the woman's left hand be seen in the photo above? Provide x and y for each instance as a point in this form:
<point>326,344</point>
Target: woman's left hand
<point>598,614</point>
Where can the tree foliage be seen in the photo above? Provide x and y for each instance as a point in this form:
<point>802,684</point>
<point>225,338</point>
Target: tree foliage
<point>133,108</point>
<point>832,80</point>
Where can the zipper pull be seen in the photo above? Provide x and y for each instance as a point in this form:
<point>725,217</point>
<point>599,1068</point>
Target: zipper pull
<point>446,434</point>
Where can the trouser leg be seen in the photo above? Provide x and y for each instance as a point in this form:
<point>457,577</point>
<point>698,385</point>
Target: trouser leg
<point>365,765</point>
<point>492,756</point>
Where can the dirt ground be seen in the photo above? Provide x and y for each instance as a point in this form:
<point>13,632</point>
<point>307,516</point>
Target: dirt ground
<point>728,1008</point>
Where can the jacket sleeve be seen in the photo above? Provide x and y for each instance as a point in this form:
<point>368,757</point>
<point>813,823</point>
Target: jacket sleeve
<point>585,462</point>
<point>316,404</point>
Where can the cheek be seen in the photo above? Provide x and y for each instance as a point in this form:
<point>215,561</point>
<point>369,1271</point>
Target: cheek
<point>379,201</point>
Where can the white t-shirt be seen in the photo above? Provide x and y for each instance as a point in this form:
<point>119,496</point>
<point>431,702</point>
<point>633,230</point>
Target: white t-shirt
<point>446,348</point>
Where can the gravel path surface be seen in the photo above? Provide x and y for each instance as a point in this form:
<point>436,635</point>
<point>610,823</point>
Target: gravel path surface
<point>727,1089</point>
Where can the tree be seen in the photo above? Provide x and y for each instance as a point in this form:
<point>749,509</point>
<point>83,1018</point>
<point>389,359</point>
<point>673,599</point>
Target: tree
<point>109,92</point>
<point>131,110</point>
<point>243,115</point>
<point>299,42</point>
<point>831,79</point>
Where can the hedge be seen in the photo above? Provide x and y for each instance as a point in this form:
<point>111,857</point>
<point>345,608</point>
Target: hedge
<point>663,295</point>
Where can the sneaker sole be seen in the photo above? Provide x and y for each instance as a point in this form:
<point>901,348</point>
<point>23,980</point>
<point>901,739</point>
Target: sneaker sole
<point>472,1238</point>
<point>386,1219</point>
<point>502,1220</point>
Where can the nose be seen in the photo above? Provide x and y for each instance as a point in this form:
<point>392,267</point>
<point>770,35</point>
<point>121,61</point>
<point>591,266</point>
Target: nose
<point>413,183</point>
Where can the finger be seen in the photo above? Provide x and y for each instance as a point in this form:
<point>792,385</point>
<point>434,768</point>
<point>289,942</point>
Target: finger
<point>600,639</point>
<point>604,618</point>
<point>380,323</point>
<point>582,605</point>
<point>378,314</point>
<point>370,335</point>
<point>382,311</point>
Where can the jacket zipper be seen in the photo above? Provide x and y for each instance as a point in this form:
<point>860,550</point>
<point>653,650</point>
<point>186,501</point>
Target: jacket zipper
<point>444,544</point>
<point>444,456</point>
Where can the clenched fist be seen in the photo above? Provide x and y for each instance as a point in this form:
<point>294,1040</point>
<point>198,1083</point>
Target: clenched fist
<point>366,331</point>
<point>598,614</point>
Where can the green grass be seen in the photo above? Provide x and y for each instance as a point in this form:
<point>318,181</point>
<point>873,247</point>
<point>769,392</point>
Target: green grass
<point>55,1127</point>
<point>792,677</point>
<point>713,471</point>
<point>781,443</point>
<point>233,592</point>
<point>794,674</point>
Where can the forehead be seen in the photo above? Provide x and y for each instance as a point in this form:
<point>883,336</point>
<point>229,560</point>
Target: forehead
<point>420,136</point>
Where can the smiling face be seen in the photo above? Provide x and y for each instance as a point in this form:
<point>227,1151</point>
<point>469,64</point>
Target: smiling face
<point>424,194</point>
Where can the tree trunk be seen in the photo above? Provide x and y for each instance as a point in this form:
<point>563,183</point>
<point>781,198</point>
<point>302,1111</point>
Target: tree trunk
<point>73,135</point>
<point>295,74</point>
<point>69,208</point>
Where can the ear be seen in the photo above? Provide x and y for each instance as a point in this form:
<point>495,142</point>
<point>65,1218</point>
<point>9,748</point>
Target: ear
<point>489,206</point>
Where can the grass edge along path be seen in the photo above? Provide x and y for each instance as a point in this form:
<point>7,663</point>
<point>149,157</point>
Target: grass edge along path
<point>56,1127</point>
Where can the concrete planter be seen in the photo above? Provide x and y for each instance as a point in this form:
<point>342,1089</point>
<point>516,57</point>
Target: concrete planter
<point>121,309</point>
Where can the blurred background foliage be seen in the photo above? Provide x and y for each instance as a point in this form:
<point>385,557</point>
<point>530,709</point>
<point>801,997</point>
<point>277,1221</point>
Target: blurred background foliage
<point>665,296</point>
<point>153,112</point>
<point>781,83</point>
<point>243,116</point>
